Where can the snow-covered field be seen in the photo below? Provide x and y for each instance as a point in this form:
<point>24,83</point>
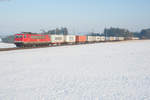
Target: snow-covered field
<point>6,45</point>
<point>104,71</point>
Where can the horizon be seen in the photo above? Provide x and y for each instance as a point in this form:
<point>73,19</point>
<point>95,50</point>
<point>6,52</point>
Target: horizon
<point>78,16</point>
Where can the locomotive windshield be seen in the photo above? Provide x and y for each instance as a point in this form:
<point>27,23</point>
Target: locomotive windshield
<point>18,36</point>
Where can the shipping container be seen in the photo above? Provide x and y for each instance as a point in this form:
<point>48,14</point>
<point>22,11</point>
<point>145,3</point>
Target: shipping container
<point>98,38</point>
<point>102,38</point>
<point>112,38</point>
<point>91,38</point>
<point>121,38</point>
<point>57,39</point>
<point>70,38</point>
<point>135,38</point>
<point>81,39</point>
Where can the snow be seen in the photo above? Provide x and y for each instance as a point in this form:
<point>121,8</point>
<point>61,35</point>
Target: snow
<point>6,45</point>
<point>103,71</point>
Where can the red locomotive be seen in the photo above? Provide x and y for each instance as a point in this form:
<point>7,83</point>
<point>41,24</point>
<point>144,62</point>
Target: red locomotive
<point>29,40</point>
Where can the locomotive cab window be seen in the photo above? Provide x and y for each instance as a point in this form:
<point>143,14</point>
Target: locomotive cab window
<point>18,36</point>
<point>25,36</point>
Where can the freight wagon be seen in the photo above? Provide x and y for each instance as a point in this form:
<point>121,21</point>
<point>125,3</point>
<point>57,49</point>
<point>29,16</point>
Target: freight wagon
<point>112,39</point>
<point>81,39</point>
<point>70,39</point>
<point>57,39</point>
<point>97,38</point>
<point>102,38</point>
<point>91,39</point>
<point>135,38</point>
<point>121,38</point>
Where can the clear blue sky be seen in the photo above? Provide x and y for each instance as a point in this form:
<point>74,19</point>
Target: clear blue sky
<point>77,15</point>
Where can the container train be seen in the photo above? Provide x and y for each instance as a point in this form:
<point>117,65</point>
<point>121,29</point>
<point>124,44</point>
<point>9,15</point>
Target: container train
<point>37,40</point>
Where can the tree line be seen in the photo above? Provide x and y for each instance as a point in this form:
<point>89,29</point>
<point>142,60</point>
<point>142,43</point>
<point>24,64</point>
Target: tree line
<point>143,34</point>
<point>120,32</point>
<point>58,31</point>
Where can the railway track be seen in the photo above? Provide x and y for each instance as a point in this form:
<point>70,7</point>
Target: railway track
<point>23,48</point>
<point>11,49</point>
<point>15,48</point>
<point>8,49</point>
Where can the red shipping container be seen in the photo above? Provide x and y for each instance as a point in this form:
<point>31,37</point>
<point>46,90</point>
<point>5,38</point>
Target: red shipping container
<point>81,39</point>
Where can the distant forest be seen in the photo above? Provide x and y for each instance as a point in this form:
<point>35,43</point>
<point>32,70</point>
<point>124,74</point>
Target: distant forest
<point>144,34</point>
<point>61,31</point>
<point>118,32</point>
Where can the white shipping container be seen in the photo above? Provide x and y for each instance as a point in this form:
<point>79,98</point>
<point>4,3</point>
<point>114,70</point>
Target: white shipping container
<point>135,38</point>
<point>57,38</point>
<point>70,38</point>
<point>102,38</point>
<point>112,38</point>
<point>98,38</point>
<point>121,38</point>
<point>91,38</point>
